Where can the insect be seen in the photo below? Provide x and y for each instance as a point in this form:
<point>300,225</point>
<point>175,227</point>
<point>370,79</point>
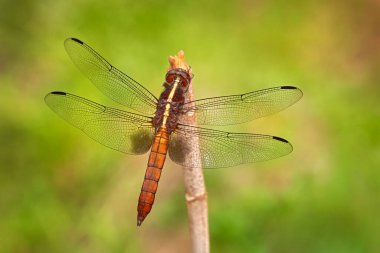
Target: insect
<point>155,123</point>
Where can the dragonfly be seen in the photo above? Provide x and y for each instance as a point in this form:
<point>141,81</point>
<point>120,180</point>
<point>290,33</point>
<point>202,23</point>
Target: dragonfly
<point>157,124</point>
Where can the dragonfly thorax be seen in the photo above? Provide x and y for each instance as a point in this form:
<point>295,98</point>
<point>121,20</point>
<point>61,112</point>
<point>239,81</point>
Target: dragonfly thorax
<point>171,99</point>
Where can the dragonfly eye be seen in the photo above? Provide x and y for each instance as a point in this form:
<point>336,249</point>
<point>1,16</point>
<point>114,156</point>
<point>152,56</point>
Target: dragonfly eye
<point>182,74</point>
<point>169,78</point>
<point>184,86</point>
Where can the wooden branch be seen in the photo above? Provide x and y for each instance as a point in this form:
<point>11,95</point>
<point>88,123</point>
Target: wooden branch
<point>196,195</point>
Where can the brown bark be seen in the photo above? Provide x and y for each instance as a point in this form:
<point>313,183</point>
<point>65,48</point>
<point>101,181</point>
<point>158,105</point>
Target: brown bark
<point>196,195</point>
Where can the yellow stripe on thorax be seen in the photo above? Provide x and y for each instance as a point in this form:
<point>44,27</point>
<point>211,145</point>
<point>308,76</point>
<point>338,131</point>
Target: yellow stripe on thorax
<point>169,100</point>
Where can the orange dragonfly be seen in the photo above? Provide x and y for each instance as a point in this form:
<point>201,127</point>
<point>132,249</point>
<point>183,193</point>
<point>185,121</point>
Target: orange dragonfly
<point>155,123</point>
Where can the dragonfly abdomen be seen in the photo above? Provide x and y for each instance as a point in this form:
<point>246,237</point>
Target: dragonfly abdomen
<point>156,162</point>
<point>165,120</point>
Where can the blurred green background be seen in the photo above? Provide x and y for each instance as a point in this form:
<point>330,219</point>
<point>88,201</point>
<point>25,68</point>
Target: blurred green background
<point>63,192</point>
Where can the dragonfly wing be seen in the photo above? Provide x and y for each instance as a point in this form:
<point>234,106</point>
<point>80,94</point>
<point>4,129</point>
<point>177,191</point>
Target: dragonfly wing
<point>236,109</point>
<point>109,80</point>
<point>120,130</point>
<point>220,149</point>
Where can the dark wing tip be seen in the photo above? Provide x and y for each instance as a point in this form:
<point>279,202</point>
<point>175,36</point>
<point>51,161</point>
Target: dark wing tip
<point>288,87</point>
<point>76,40</point>
<point>58,93</point>
<point>300,93</point>
<point>280,139</point>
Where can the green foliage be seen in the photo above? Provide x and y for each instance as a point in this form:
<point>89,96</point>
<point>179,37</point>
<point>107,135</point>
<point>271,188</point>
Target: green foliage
<point>62,192</point>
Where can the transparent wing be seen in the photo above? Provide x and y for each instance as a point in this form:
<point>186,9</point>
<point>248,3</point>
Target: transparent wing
<point>120,130</point>
<point>220,149</point>
<point>109,80</point>
<point>236,109</point>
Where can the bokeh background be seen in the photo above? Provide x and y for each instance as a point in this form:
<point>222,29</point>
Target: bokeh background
<point>63,192</point>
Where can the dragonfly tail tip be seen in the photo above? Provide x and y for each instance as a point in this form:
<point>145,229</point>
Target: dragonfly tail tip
<point>139,222</point>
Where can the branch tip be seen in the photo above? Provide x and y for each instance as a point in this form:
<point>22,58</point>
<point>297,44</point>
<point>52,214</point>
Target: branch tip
<point>178,61</point>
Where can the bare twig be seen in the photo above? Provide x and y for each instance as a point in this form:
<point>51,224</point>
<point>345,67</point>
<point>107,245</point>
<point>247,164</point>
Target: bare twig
<point>196,195</point>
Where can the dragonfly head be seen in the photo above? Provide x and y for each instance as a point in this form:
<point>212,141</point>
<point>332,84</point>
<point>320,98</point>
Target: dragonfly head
<point>183,75</point>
